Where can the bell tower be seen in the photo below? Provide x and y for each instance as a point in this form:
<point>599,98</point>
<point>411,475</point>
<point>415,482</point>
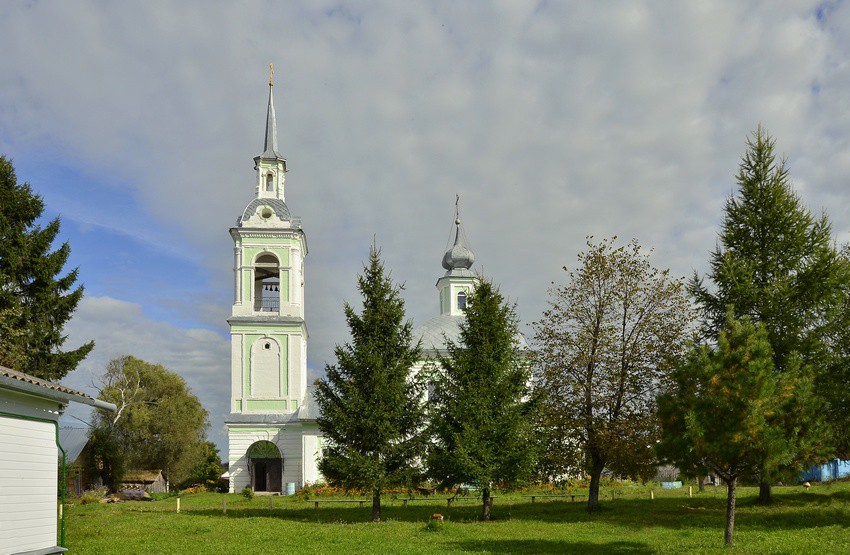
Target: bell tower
<point>268,332</point>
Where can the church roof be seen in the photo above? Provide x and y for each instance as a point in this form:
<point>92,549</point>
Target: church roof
<point>279,207</point>
<point>435,331</point>
<point>458,259</point>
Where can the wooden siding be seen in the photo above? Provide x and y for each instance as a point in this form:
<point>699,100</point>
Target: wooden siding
<point>28,479</point>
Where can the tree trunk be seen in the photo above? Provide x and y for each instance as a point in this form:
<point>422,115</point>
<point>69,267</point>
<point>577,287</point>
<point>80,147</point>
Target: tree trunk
<point>376,506</point>
<point>730,509</point>
<point>488,502</point>
<point>700,484</point>
<point>593,492</point>
<point>765,494</point>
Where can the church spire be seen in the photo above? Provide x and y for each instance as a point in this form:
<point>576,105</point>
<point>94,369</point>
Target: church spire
<point>270,145</point>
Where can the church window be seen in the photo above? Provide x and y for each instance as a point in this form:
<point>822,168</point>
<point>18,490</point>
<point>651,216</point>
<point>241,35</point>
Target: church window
<point>267,346</point>
<point>461,300</point>
<point>270,182</point>
<point>266,213</point>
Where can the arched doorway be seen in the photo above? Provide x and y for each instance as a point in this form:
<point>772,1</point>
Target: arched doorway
<point>265,466</point>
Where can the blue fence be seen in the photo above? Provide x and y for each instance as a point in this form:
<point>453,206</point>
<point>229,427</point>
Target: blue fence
<point>832,470</point>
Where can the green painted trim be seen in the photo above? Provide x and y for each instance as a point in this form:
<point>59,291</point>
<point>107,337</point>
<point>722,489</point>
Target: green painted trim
<point>260,241</point>
<point>266,404</point>
<point>284,286</point>
<point>247,285</point>
<point>278,329</point>
<point>445,301</point>
<point>236,405</point>
<point>293,405</point>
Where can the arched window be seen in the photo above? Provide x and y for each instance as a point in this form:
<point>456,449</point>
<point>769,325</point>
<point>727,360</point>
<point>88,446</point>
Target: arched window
<point>461,300</point>
<point>270,182</point>
<point>267,284</point>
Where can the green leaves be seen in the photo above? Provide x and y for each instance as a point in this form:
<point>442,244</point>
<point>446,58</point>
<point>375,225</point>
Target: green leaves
<point>160,424</point>
<point>605,348</point>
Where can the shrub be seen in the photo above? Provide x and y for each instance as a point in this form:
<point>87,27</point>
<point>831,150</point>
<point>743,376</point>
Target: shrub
<point>92,496</point>
<point>247,493</point>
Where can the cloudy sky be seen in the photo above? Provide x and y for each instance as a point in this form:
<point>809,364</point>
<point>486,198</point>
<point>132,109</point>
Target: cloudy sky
<point>138,122</point>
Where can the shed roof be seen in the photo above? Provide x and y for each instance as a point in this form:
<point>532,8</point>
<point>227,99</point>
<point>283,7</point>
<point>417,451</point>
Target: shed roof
<point>31,385</point>
<point>73,441</point>
<point>141,476</point>
<point>26,378</point>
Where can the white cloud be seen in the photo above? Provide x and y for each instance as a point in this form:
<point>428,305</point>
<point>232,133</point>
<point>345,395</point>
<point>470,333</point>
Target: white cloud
<point>201,357</point>
<point>553,120</point>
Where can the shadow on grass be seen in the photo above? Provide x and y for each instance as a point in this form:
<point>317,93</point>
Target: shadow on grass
<point>553,546</point>
<point>791,511</point>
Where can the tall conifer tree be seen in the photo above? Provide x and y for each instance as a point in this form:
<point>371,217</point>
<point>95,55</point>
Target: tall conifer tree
<point>35,299</point>
<point>778,264</point>
<point>373,413</point>
<point>483,417</point>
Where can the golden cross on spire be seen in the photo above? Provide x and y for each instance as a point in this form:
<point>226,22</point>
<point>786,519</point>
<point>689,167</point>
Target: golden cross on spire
<point>271,74</point>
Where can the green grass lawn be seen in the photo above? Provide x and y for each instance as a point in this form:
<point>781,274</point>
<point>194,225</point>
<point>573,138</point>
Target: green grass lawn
<point>814,521</point>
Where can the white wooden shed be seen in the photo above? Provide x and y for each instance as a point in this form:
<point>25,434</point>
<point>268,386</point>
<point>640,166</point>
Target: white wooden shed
<point>29,461</point>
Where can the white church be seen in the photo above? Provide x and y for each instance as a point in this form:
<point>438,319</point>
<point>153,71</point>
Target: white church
<point>274,441</point>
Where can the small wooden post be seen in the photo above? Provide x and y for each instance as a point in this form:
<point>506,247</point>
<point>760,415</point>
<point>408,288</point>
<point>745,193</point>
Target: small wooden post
<point>60,510</point>
<point>690,491</point>
<point>178,505</point>
<point>651,494</point>
<point>224,506</point>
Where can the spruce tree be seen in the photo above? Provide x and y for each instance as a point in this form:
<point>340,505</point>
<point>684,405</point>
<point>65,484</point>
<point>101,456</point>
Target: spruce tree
<point>373,414</point>
<point>482,420</point>
<point>778,264</point>
<point>35,299</point>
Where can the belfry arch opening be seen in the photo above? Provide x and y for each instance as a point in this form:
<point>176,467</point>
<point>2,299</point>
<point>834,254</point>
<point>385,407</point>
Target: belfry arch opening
<point>265,466</point>
<point>267,283</point>
<point>270,182</point>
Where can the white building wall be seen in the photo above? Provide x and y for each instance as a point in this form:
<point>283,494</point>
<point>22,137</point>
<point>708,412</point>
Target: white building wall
<point>28,478</point>
<point>288,439</point>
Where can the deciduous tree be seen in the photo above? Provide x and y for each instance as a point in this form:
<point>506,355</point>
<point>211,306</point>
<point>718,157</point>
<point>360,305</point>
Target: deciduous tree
<point>35,299</point>
<point>605,348</point>
<point>159,423</point>
<point>372,409</point>
<point>483,419</point>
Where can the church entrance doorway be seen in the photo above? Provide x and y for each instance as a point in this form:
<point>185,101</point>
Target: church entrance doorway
<point>265,467</point>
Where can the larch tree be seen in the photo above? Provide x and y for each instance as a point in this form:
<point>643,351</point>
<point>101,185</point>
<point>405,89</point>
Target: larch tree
<point>159,424</point>
<point>482,420</point>
<point>373,414</point>
<point>605,348</point>
<point>727,407</point>
<point>778,264</point>
<point>35,299</point>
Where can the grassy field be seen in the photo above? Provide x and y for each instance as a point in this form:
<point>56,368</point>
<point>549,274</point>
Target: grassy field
<point>814,521</point>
